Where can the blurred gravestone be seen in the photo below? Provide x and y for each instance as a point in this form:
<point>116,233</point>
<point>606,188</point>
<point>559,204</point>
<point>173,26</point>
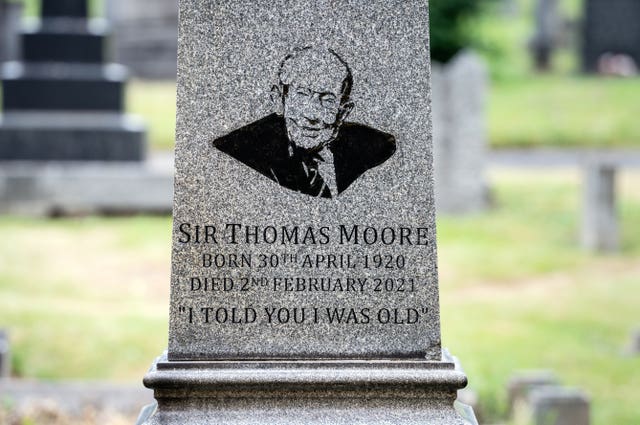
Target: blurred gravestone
<point>600,229</point>
<point>611,29</point>
<point>460,134</point>
<point>10,18</point>
<point>547,33</point>
<point>304,281</point>
<point>146,38</point>
<point>521,385</point>
<point>64,102</point>
<point>558,406</point>
<point>5,355</point>
<point>633,347</point>
<point>66,145</point>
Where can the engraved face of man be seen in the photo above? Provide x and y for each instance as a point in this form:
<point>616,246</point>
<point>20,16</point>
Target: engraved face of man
<point>314,96</point>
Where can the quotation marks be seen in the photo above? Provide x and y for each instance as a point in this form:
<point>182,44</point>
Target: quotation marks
<point>305,315</point>
<point>183,310</point>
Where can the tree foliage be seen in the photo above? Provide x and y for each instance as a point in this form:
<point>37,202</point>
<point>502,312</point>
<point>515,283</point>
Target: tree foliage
<point>448,33</point>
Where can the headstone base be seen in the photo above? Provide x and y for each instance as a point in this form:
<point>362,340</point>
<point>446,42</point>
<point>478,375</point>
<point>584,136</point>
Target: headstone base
<point>306,392</point>
<point>71,136</point>
<point>39,188</point>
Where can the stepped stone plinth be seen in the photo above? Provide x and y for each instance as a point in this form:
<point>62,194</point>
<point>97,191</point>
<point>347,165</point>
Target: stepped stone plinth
<point>64,101</point>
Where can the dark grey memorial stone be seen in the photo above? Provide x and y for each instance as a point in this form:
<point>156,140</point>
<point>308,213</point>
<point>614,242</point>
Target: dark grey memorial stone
<point>611,26</point>
<point>64,75</point>
<point>304,282</point>
<point>65,8</point>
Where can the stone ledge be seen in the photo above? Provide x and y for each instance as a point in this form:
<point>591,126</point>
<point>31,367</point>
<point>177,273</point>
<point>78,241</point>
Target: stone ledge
<point>346,374</point>
<point>75,187</point>
<point>306,392</point>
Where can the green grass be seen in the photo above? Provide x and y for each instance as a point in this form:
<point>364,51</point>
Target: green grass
<point>517,293</point>
<point>564,112</point>
<point>155,101</point>
<point>560,109</point>
<point>88,297</point>
<point>84,298</point>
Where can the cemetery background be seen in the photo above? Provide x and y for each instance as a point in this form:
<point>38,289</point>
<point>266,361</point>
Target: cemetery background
<point>515,286</point>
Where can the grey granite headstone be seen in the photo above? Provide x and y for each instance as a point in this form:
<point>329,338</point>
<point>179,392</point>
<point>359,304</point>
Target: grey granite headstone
<point>460,134</point>
<point>559,406</point>
<point>600,230</point>
<point>610,27</point>
<point>261,270</point>
<point>304,276</point>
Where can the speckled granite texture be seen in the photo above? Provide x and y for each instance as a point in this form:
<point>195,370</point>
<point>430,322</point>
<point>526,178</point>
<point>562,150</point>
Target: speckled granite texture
<point>311,392</point>
<point>381,302</point>
<point>288,308</point>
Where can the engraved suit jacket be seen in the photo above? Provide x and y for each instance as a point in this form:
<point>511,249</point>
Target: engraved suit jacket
<point>264,146</point>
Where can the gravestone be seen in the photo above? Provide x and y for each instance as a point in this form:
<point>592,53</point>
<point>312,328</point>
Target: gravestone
<point>559,406</point>
<point>610,27</point>
<point>633,348</point>
<point>10,18</point>
<point>146,38</point>
<point>460,134</point>
<point>547,33</point>
<point>600,230</point>
<point>521,385</point>
<point>304,282</point>
<point>65,102</point>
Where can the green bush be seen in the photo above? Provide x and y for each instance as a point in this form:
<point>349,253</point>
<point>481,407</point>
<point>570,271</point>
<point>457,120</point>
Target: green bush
<point>449,34</point>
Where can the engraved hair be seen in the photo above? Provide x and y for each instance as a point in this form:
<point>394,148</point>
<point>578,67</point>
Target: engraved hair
<point>284,74</point>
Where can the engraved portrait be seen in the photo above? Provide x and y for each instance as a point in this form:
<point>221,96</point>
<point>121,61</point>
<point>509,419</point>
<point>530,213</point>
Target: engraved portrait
<point>307,144</point>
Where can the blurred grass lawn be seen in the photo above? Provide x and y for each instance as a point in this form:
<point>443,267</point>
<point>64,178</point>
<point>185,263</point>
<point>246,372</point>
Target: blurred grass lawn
<point>564,112</point>
<point>88,298</point>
